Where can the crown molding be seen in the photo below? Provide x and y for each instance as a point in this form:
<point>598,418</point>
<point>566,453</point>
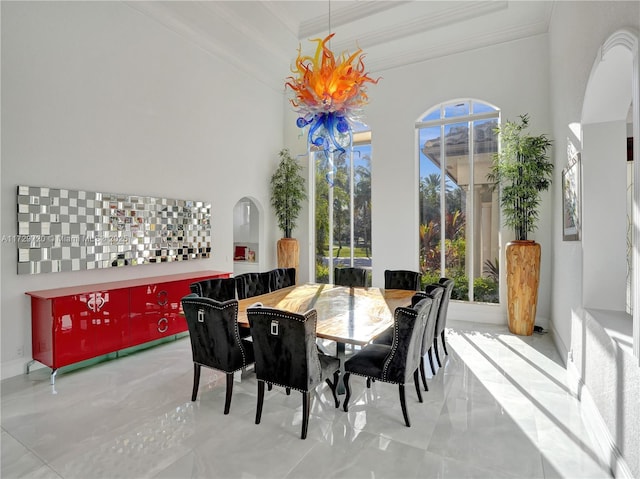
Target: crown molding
<point>258,38</point>
<point>345,15</point>
<point>170,19</point>
<point>455,14</point>
<point>452,48</point>
<point>290,22</point>
<point>254,37</point>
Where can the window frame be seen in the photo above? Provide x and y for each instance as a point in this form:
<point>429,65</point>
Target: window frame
<point>469,118</point>
<point>360,137</point>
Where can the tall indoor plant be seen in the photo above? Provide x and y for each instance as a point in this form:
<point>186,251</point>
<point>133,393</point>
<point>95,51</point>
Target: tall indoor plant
<point>521,170</point>
<point>287,195</point>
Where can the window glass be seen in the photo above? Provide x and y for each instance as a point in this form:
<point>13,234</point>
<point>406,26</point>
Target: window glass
<point>459,213</point>
<point>343,207</point>
<point>432,115</point>
<point>429,201</point>
<point>456,109</point>
<point>454,197</point>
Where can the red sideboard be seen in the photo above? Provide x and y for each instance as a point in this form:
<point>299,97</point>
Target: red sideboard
<point>73,324</point>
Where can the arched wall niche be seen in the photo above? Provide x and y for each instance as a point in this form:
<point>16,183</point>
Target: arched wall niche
<point>248,235</point>
<point>613,90</point>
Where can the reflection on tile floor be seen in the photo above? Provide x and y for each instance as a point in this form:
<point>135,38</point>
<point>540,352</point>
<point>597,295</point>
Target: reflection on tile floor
<point>498,408</point>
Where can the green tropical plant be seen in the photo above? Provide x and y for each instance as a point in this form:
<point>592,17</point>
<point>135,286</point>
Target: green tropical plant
<point>491,269</point>
<point>287,192</point>
<point>521,170</point>
<point>485,290</point>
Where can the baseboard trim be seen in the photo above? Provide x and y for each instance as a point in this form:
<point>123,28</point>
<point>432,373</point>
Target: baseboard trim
<point>559,344</point>
<point>609,453</point>
<point>18,367</point>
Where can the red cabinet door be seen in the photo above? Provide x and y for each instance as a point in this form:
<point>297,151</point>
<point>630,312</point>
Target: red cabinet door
<point>73,324</point>
<point>155,310</point>
<point>89,325</point>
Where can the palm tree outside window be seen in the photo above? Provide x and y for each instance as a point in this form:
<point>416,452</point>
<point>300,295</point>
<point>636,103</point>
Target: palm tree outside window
<point>459,214</point>
<point>342,207</point>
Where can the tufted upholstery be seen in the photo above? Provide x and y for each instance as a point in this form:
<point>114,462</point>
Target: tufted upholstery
<point>401,279</point>
<point>442,317</point>
<point>220,289</point>
<point>252,284</point>
<point>215,340</point>
<point>286,356</point>
<point>281,278</point>
<point>434,292</point>
<point>354,277</point>
<point>395,362</point>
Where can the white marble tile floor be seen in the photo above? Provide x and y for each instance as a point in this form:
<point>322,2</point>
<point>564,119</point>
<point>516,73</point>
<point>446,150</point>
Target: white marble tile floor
<point>498,408</point>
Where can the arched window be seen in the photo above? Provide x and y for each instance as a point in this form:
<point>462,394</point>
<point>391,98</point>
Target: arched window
<point>459,213</point>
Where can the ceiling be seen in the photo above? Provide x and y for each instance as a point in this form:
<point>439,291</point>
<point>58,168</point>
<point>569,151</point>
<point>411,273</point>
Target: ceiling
<point>262,37</point>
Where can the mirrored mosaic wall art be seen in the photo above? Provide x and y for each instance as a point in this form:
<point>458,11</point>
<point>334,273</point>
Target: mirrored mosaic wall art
<point>68,230</point>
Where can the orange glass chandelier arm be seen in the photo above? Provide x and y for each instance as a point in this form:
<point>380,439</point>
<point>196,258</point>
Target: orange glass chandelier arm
<point>326,84</point>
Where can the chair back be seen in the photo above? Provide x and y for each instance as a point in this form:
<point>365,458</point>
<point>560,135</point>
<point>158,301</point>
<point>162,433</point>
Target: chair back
<point>220,289</point>
<point>435,292</point>
<point>444,305</point>
<point>406,348</point>
<point>281,278</point>
<point>284,344</point>
<point>252,284</point>
<point>213,330</point>
<point>354,277</point>
<point>401,279</point>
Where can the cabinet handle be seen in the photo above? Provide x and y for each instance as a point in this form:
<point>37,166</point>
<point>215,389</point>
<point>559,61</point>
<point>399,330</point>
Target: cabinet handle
<point>163,328</point>
<point>162,298</point>
<point>96,302</point>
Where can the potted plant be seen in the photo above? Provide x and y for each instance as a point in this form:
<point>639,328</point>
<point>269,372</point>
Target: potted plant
<point>287,195</point>
<point>521,170</point>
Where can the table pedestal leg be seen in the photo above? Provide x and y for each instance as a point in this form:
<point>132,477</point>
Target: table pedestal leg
<point>340,353</point>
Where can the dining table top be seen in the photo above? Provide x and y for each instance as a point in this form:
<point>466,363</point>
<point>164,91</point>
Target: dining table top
<point>346,315</point>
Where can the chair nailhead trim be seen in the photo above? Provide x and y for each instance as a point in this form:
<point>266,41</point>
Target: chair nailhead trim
<point>311,315</point>
<point>377,379</point>
<point>226,372</point>
<point>283,386</point>
<point>394,344</point>
<point>233,303</point>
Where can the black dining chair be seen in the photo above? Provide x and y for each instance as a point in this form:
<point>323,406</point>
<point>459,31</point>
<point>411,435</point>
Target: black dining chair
<point>401,279</point>
<point>434,292</point>
<point>441,324</point>
<point>397,362</point>
<point>220,289</point>
<point>286,355</point>
<point>353,277</point>
<point>215,340</point>
<point>281,278</point>
<point>252,284</point>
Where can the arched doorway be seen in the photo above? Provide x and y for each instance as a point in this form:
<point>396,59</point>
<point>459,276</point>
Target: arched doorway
<point>248,241</point>
<point>611,186</point>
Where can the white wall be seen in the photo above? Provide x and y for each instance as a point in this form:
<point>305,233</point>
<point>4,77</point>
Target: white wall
<point>98,97</point>
<point>604,225</point>
<point>607,374</point>
<point>577,31</point>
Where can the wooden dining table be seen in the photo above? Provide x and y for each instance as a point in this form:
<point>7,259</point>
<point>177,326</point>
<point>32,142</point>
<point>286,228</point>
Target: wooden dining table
<point>345,315</point>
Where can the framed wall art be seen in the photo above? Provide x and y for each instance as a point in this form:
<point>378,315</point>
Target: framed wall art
<point>571,197</point>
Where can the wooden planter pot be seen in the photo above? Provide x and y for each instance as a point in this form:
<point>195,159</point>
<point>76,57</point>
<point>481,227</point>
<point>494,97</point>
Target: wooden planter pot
<point>288,253</point>
<point>523,278</point>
